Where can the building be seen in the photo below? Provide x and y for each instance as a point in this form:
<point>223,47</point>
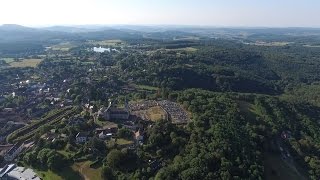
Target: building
<point>81,137</point>
<point>113,113</point>
<point>10,172</point>
<point>13,152</point>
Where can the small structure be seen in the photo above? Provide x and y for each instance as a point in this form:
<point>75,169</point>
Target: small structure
<point>285,135</point>
<point>13,152</point>
<point>81,137</point>
<point>14,172</point>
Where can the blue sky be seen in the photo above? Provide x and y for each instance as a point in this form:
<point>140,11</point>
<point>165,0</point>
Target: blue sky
<point>266,13</point>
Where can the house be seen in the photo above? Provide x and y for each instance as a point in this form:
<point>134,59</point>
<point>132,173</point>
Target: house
<point>104,135</point>
<point>12,171</point>
<point>138,136</point>
<point>13,152</point>
<point>81,137</point>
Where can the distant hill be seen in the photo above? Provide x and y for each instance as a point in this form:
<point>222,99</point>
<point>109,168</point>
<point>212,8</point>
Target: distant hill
<point>70,29</point>
<point>12,33</point>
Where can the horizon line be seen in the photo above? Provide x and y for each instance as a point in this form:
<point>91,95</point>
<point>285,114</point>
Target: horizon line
<point>161,25</point>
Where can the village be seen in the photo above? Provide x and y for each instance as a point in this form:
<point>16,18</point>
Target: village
<point>43,100</point>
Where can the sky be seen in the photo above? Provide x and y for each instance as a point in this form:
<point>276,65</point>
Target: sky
<point>235,13</point>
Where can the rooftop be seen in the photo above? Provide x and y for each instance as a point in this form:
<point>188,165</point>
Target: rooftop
<point>82,134</point>
<point>16,172</point>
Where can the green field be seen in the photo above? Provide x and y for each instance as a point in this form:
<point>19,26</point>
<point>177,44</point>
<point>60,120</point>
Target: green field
<point>64,174</point>
<point>112,42</point>
<point>121,141</point>
<point>26,63</point>
<point>79,171</point>
<point>145,87</point>
<point>186,38</point>
<point>63,46</point>
<point>186,49</point>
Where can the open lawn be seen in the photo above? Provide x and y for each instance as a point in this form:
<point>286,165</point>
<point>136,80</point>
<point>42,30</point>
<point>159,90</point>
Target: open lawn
<point>156,113</point>
<point>26,63</point>
<point>86,171</point>
<point>121,141</point>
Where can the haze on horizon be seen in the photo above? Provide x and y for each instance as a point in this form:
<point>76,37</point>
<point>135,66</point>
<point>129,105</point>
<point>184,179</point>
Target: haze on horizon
<point>243,13</point>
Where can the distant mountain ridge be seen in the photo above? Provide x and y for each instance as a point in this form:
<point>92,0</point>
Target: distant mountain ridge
<point>16,33</point>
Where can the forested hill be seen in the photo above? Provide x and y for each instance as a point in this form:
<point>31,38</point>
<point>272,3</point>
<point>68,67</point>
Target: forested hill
<point>221,65</point>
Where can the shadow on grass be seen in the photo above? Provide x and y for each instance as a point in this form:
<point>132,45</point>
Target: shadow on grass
<point>69,173</point>
<point>65,173</point>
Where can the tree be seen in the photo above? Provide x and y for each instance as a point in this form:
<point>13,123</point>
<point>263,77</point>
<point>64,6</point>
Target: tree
<point>115,159</point>
<point>30,158</point>
<point>56,161</point>
<point>107,173</point>
<point>43,156</point>
<point>1,159</point>
<point>97,144</point>
<point>125,133</point>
